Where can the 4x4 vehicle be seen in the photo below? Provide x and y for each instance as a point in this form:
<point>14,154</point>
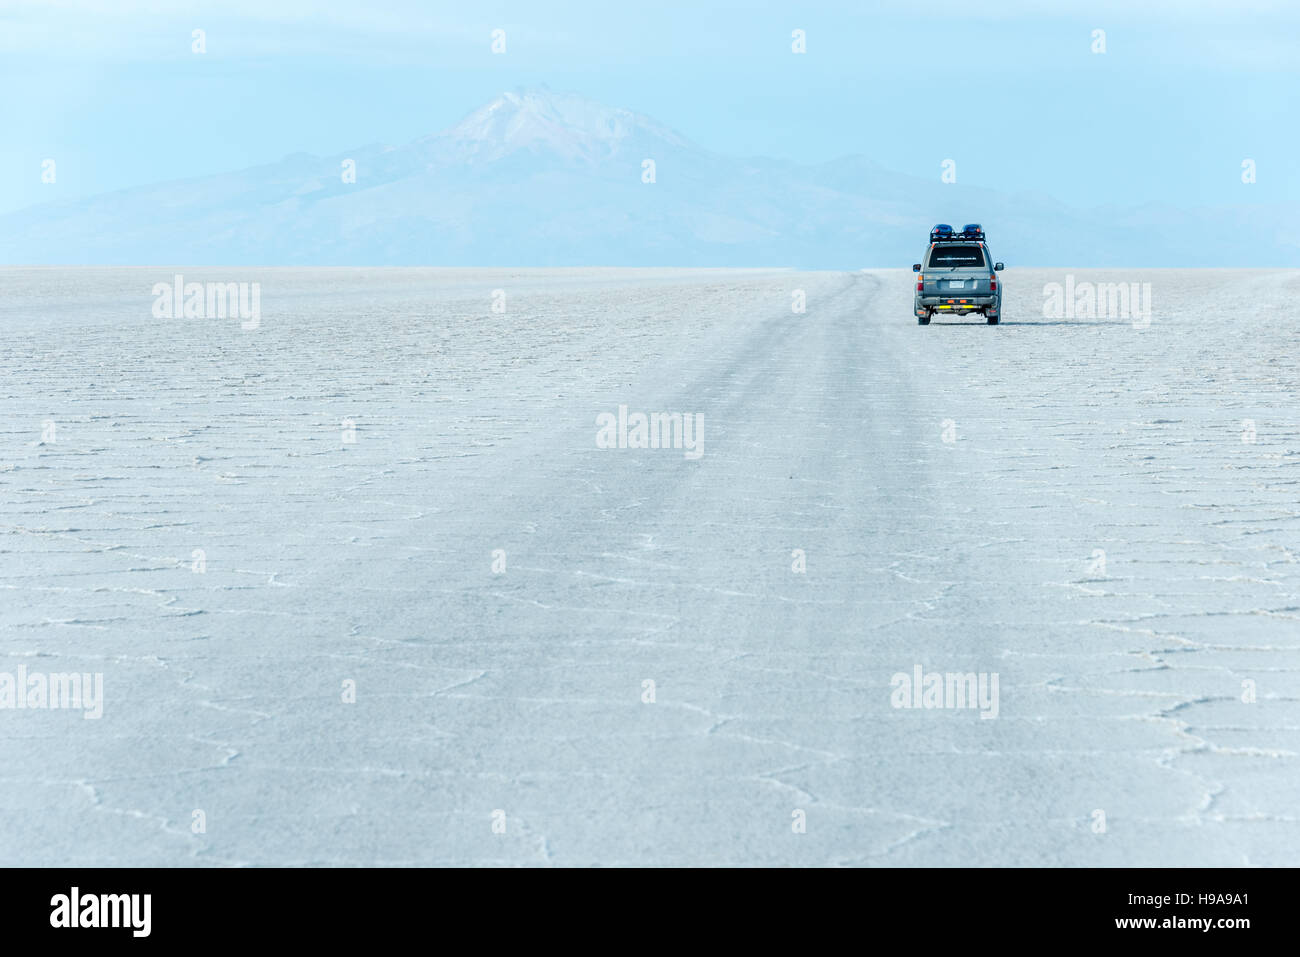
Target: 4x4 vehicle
<point>957,276</point>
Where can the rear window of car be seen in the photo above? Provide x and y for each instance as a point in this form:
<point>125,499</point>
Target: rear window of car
<point>956,256</point>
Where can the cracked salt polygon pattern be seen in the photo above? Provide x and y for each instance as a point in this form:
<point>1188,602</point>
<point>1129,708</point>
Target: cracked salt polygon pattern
<point>371,561</point>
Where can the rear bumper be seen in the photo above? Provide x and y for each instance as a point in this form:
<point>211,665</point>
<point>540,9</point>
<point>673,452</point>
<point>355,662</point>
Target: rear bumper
<point>959,304</point>
<point>989,299</point>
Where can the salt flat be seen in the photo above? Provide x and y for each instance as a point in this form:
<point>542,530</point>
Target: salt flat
<point>232,525</point>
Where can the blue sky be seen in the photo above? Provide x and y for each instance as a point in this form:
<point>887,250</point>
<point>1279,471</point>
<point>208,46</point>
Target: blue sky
<point>1186,90</point>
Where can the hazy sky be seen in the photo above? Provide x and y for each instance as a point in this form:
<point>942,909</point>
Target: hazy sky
<point>1186,90</point>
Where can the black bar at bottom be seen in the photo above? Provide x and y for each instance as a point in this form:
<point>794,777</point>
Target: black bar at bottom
<point>334,907</point>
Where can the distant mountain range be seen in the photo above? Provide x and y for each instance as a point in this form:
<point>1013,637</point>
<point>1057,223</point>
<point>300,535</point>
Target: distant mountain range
<point>537,178</point>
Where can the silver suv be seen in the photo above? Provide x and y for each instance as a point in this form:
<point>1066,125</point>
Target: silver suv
<point>958,276</point>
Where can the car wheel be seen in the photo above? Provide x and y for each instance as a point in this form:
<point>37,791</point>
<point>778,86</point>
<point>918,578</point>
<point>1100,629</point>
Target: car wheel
<point>993,320</point>
<point>922,320</point>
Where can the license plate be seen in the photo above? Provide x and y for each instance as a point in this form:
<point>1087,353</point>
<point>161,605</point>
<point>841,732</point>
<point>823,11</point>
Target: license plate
<point>956,283</point>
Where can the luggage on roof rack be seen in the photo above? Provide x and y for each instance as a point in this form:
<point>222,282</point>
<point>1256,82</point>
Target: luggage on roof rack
<point>944,233</point>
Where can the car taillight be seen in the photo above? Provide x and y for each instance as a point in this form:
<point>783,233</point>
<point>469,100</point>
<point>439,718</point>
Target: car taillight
<point>993,283</point>
<point>920,282</point>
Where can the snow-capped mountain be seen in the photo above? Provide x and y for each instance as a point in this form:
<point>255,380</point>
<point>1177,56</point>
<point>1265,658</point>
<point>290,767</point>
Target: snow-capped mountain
<point>558,125</point>
<point>536,177</point>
